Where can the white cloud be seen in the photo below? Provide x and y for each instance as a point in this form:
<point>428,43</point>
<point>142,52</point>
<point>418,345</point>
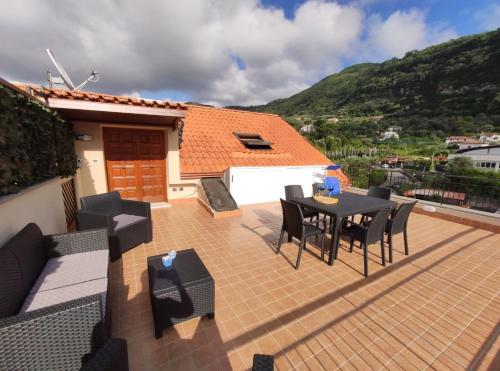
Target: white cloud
<point>488,18</point>
<point>191,45</point>
<point>400,32</point>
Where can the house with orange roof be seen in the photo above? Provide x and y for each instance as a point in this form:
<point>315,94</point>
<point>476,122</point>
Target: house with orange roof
<point>158,151</point>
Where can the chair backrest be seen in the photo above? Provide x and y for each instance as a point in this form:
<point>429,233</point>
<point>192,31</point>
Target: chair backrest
<point>380,192</point>
<point>105,203</point>
<point>401,218</point>
<point>22,259</point>
<point>293,191</point>
<point>293,219</point>
<point>377,226</point>
<point>333,183</point>
<point>317,190</point>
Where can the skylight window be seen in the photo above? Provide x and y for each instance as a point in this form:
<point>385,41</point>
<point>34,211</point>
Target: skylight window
<point>253,141</point>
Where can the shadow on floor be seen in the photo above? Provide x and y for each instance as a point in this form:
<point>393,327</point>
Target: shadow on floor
<point>133,321</point>
<point>333,296</point>
<point>485,348</point>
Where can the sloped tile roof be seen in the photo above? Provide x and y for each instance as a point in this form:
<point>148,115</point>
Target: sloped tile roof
<point>209,145</point>
<point>104,98</point>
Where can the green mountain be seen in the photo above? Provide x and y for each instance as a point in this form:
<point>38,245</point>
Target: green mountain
<point>459,77</point>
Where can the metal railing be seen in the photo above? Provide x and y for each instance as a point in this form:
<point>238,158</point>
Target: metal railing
<point>470,192</point>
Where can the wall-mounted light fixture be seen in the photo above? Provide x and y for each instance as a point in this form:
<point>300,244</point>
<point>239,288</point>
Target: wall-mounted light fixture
<point>84,137</point>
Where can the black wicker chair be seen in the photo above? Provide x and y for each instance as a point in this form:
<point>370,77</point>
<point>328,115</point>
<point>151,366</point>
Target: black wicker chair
<point>263,362</point>
<point>398,224</point>
<point>368,234</point>
<point>128,222</point>
<point>295,226</point>
<point>65,335</point>
<point>379,192</point>
<point>295,191</point>
<point>316,189</point>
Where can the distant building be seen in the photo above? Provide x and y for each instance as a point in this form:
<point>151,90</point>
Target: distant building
<point>489,138</point>
<point>485,158</point>
<point>390,161</point>
<point>471,144</point>
<point>464,142</point>
<point>457,139</point>
<point>392,132</point>
<point>309,128</point>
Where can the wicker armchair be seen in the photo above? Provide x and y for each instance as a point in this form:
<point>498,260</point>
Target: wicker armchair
<point>128,222</point>
<point>67,335</point>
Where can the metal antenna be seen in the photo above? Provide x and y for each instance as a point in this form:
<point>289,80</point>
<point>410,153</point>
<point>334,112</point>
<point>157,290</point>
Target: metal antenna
<point>64,78</point>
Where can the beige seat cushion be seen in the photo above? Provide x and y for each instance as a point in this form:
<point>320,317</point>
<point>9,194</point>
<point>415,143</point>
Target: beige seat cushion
<point>124,220</point>
<point>72,269</point>
<point>60,295</point>
<point>69,277</point>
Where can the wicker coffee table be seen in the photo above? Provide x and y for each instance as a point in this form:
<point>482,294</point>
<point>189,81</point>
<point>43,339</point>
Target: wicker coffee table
<point>181,292</point>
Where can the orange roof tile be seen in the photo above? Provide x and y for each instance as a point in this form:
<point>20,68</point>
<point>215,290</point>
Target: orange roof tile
<point>100,97</point>
<point>209,146</point>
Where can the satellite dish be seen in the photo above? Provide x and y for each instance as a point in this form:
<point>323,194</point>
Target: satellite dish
<point>64,78</point>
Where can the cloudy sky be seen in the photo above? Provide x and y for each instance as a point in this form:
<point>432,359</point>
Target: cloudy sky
<point>222,51</point>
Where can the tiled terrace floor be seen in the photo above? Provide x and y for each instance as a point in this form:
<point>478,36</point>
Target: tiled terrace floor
<point>438,308</point>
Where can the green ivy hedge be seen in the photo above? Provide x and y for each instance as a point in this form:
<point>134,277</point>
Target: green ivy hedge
<point>36,144</point>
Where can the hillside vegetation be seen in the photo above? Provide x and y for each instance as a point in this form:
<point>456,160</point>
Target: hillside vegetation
<point>450,88</point>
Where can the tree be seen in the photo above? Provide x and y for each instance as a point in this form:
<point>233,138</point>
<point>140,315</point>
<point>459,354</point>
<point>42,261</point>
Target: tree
<point>333,143</point>
<point>323,129</point>
<point>487,128</point>
<point>459,165</point>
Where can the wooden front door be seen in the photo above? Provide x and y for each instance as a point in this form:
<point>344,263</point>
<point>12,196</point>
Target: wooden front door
<point>135,163</point>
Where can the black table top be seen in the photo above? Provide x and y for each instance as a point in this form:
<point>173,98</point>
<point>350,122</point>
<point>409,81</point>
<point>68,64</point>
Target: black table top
<point>349,204</point>
<point>187,270</point>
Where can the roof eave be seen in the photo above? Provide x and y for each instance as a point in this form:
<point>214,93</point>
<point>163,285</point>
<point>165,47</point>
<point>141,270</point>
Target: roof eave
<point>69,104</point>
<point>76,110</point>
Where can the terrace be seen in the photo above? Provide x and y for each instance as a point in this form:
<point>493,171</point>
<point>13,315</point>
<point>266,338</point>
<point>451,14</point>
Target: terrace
<point>437,308</point>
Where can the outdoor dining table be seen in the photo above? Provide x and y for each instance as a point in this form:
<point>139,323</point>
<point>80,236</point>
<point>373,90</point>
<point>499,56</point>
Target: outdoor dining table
<point>349,204</point>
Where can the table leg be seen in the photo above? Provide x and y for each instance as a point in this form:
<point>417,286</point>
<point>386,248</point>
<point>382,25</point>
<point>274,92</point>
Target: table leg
<point>334,242</point>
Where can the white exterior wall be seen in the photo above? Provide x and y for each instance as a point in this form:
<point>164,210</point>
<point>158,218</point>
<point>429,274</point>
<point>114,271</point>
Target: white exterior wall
<point>479,155</point>
<point>41,204</point>
<point>489,138</point>
<point>252,185</point>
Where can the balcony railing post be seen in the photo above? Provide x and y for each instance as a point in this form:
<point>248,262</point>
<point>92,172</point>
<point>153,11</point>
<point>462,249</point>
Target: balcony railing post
<point>445,186</point>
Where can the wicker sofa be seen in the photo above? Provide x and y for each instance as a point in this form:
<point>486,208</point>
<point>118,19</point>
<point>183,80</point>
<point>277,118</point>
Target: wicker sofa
<point>53,312</point>
<point>128,222</point>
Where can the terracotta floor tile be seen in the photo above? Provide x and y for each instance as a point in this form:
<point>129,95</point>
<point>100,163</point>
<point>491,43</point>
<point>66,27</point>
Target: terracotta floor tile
<point>184,363</point>
<point>283,337</point>
<point>249,320</point>
<point>437,307</point>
